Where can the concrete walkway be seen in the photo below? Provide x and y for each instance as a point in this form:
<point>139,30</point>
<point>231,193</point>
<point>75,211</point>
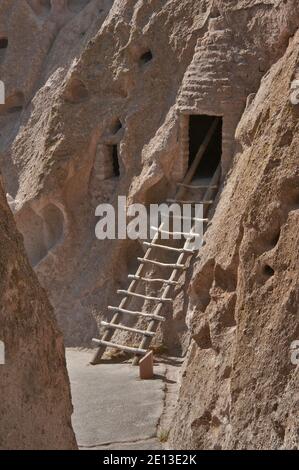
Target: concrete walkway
<point>113,408</point>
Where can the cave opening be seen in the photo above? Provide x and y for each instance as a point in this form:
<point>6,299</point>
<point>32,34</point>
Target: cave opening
<point>115,161</point>
<point>199,126</point>
<point>3,47</point>
<point>146,57</point>
<point>3,43</point>
<point>117,125</point>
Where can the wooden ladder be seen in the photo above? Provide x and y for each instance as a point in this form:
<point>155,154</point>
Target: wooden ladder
<point>176,268</point>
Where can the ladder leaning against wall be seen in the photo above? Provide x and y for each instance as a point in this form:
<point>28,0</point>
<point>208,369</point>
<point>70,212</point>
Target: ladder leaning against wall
<point>184,253</point>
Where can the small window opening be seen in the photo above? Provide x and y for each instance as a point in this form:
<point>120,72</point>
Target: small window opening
<point>3,47</point>
<point>198,129</point>
<point>268,271</point>
<point>3,43</point>
<point>115,161</point>
<point>106,163</point>
<point>116,126</point>
<point>146,57</point>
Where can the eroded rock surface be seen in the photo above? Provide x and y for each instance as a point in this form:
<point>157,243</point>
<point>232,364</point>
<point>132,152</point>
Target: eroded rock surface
<point>239,387</point>
<point>35,402</point>
<point>99,99</point>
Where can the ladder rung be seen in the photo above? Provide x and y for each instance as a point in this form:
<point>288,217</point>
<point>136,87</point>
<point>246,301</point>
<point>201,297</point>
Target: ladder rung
<point>141,296</point>
<point>169,248</point>
<point>189,202</point>
<point>108,344</point>
<point>147,279</point>
<point>191,186</point>
<point>117,326</point>
<point>136,314</point>
<point>166,232</point>
<point>164,265</point>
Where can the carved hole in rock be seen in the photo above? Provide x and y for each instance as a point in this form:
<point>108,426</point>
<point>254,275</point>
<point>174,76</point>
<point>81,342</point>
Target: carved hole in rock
<point>106,164</point>
<point>3,43</point>
<point>116,126</point>
<point>115,161</point>
<point>145,58</point>
<point>76,91</point>
<point>3,47</point>
<point>275,238</point>
<point>14,103</point>
<point>199,126</point>
<point>53,225</point>
<point>268,271</point>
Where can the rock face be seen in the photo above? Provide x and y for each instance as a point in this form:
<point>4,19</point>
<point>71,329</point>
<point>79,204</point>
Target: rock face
<point>239,387</point>
<point>105,109</point>
<point>35,403</point>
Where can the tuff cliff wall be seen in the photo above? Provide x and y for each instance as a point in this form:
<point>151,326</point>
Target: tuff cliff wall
<point>102,94</point>
<point>35,401</point>
<point>86,79</point>
<point>239,388</point>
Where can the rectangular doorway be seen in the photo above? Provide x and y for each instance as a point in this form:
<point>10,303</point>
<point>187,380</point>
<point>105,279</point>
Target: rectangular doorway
<point>199,126</point>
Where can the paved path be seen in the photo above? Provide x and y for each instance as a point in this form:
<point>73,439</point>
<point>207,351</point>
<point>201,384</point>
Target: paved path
<point>113,408</point>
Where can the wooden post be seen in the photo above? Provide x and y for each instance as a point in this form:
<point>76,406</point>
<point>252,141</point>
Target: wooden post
<point>146,366</point>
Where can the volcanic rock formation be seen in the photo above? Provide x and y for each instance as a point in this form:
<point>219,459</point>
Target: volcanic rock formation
<point>99,95</point>
<point>239,387</point>
<point>35,402</point>
<point>102,98</point>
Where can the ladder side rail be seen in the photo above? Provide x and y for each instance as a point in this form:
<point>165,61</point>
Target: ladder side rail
<point>153,325</point>
<point>108,334</point>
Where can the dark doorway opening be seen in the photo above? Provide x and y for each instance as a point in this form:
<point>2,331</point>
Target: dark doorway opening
<point>3,47</point>
<point>198,128</point>
<point>117,126</point>
<point>115,161</point>
<point>146,57</point>
<point>3,43</point>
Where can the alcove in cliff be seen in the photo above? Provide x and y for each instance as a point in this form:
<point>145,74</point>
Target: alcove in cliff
<point>3,43</point>
<point>199,126</point>
<point>115,161</point>
<point>106,164</point>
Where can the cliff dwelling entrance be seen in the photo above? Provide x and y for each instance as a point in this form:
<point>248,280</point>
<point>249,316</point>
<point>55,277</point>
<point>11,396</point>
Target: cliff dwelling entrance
<point>115,161</point>
<point>199,126</point>
<point>3,47</point>
<point>106,164</point>
<point>3,42</point>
